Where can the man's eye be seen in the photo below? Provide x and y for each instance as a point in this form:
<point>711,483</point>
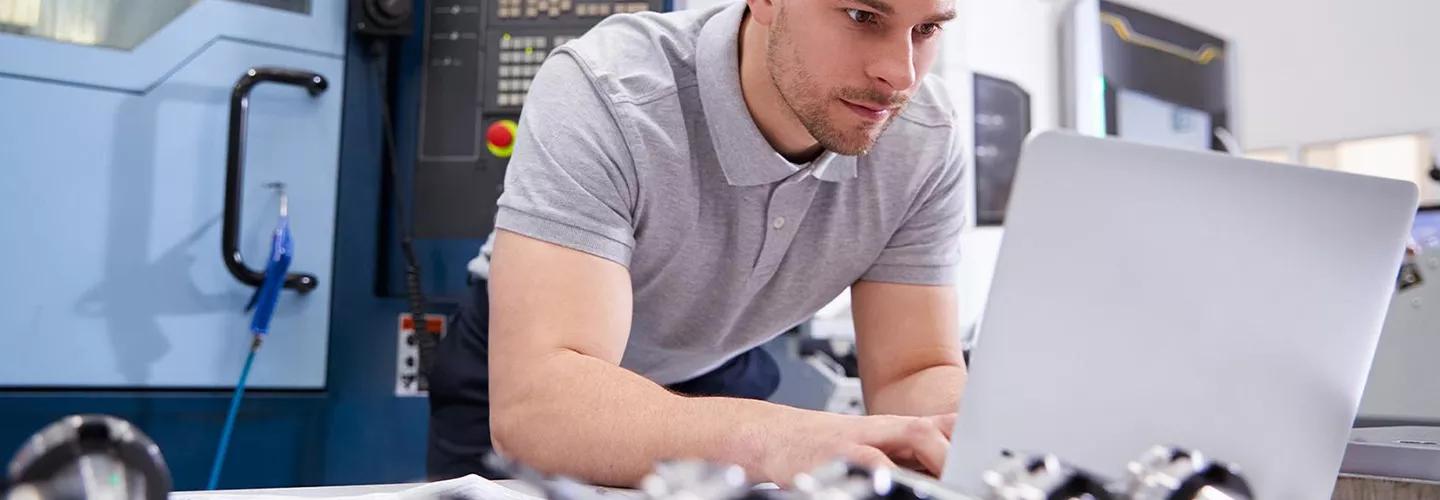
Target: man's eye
<point>861,16</point>
<point>929,29</point>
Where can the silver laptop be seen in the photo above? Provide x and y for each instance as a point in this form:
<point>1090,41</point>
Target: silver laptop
<point>1150,296</point>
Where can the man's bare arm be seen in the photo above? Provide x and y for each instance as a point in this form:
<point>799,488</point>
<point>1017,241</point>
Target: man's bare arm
<point>908,346</point>
<point>560,401</point>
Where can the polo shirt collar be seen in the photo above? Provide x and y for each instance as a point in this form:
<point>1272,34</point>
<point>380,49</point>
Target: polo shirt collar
<point>746,158</point>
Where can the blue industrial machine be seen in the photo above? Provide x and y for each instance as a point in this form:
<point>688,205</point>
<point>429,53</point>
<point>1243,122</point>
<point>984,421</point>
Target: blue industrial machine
<point>137,138</point>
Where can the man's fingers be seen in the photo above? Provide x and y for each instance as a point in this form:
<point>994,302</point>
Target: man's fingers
<point>929,443</point>
<point>869,457</point>
<point>946,423</point>
<point>920,438</point>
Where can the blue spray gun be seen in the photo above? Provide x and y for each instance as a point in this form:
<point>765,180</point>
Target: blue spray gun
<point>263,302</point>
<point>282,250</point>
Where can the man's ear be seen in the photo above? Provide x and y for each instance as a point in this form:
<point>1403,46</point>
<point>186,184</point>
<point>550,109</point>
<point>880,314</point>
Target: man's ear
<point>763,11</point>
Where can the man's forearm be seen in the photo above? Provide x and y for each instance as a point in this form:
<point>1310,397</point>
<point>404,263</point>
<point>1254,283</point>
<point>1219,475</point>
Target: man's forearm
<point>931,391</point>
<point>585,418</point>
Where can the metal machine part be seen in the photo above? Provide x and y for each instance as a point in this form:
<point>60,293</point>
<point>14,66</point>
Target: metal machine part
<point>694,479</point>
<point>844,481</point>
<point>89,456</point>
<point>846,395</point>
<point>1171,473</point>
<point>1411,452</point>
<point>1041,477</point>
<point>1162,473</point>
<point>812,374</point>
<point>913,485</point>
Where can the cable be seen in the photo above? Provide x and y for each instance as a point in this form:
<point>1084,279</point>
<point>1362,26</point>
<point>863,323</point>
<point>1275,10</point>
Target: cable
<point>414,293</point>
<point>1229,141</point>
<point>219,462</point>
<point>1435,162</point>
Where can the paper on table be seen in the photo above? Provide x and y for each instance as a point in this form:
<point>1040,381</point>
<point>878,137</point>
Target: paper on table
<point>470,487</point>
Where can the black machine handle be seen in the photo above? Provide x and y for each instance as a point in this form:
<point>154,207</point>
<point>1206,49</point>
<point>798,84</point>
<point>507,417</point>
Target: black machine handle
<point>235,171</point>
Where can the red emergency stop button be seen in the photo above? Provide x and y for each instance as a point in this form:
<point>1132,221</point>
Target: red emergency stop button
<point>500,138</point>
<point>500,135</point>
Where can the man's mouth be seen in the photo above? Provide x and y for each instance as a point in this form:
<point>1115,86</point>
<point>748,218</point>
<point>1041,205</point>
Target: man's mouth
<point>870,111</point>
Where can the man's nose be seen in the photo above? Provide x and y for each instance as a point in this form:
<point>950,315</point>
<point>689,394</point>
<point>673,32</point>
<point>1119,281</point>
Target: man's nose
<point>893,65</point>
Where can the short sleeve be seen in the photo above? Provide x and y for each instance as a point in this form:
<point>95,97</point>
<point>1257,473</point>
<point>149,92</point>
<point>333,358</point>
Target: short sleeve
<point>925,250</point>
<point>570,180</point>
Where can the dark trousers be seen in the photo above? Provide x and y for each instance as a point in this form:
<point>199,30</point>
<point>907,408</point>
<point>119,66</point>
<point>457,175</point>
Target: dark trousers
<point>460,390</point>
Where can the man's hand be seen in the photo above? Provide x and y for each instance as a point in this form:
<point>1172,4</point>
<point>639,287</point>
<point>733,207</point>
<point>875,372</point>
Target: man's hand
<point>918,443</point>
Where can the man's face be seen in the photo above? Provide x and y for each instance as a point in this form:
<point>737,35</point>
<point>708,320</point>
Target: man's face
<point>847,67</point>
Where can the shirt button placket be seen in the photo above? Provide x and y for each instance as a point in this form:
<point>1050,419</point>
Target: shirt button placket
<point>786,203</point>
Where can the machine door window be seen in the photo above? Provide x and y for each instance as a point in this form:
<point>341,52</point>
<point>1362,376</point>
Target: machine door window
<point>117,24</point>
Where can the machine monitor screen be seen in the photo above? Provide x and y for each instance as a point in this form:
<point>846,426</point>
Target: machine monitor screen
<point>1150,120</point>
<point>1427,229</point>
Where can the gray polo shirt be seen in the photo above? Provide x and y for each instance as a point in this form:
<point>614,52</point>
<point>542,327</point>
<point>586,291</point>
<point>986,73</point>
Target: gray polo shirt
<point>635,146</point>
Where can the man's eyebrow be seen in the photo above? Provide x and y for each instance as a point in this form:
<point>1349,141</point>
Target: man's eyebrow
<point>943,16</point>
<point>878,5</point>
<point>885,8</point>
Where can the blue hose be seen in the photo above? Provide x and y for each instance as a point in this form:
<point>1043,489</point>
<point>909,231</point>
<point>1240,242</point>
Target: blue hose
<point>230,417</point>
<point>267,295</point>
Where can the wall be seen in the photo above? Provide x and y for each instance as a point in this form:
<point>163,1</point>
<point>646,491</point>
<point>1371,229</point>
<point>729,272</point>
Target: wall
<point>1016,40</point>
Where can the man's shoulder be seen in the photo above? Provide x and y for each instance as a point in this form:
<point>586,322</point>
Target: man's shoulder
<point>641,56</point>
<point>930,106</point>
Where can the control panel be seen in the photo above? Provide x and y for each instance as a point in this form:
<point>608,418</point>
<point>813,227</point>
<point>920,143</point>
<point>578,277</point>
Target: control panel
<point>516,61</point>
<point>479,59</point>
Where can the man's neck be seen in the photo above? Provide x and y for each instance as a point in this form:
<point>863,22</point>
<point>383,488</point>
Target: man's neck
<point>777,123</point>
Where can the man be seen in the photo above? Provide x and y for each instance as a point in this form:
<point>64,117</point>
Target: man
<point>685,187</point>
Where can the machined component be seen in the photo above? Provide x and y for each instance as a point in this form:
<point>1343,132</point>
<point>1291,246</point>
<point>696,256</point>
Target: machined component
<point>1172,473</point>
<point>1041,477</point>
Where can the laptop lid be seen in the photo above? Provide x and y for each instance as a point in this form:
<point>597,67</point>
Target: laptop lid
<point>1150,296</point>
